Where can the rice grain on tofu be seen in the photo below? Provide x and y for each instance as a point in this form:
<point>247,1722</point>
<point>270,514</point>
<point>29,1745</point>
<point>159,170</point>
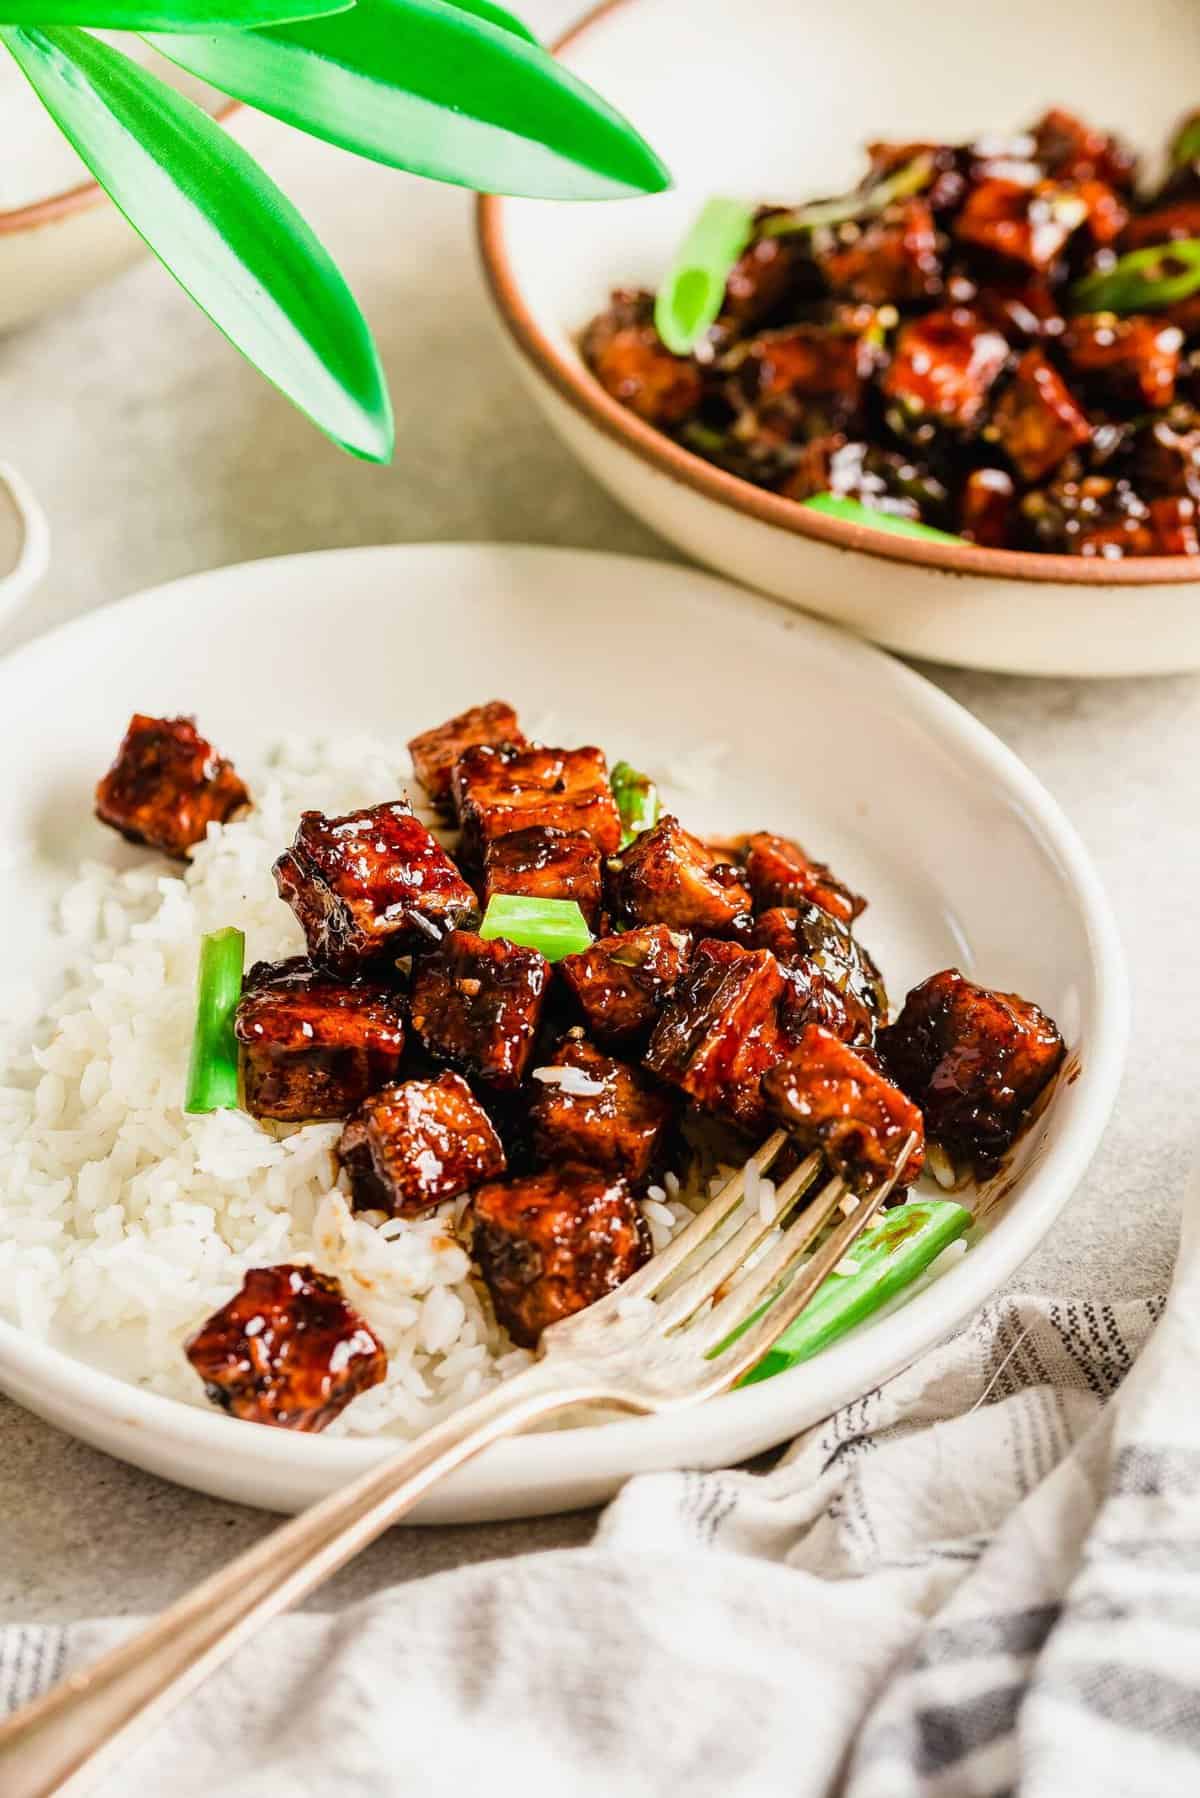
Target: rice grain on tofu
<point>124,1220</point>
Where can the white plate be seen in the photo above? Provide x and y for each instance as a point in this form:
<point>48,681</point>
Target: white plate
<point>964,855</point>
<point>776,100</point>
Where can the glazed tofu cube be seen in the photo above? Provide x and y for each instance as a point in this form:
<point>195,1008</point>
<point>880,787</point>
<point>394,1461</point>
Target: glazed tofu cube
<point>1175,526</point>
<point>974,1061</point>
<point>1072,151</point>
<point>414,1145</point>
<point>313,1047</point>
<point>780,873</point>
<point>1025,224</point>
<point>1022,306</point>
<point>621,981</point>
<point>544,863</point>
<point>764,276</point>
<point>553,1243</point>
<point>477,1005</point>
<point>988,507</point>
<point>599,1111</point>
<point>943,369</point>
<point>498,791</point>
<point>667,876</point>
<point>1163,225</point>
<point>1124,362</point>
<point>167,785</point>
<point>286,1350</point>
<point>718,1033</point>
<point>790,374</point>
<point>831,979</point>
<point>435,752</point>
<point>370,886</point>
<point>892,261</point>
<point>833,1101</point>
<point>1036,421</point>
<point>634,365</point>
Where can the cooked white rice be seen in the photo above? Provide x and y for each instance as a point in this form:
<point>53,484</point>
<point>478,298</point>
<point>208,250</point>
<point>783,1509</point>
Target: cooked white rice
<point>127,1222</point>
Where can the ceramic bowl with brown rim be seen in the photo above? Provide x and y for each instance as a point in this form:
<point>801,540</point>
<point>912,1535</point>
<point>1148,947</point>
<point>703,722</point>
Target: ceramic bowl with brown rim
<point>775,100</point>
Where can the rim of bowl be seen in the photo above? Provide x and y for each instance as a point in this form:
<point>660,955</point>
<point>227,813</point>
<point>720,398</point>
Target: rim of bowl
<point>569,376</point>
<point>71,200</point>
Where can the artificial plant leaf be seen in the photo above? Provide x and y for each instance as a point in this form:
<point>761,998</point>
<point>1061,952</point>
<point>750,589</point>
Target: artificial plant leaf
<point>164,15</point>
<point>496,15</point>
<point>427,86</point>
<point>222,228</point>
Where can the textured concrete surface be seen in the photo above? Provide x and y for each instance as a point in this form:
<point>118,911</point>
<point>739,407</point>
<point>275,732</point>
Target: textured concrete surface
<point>157,452</point>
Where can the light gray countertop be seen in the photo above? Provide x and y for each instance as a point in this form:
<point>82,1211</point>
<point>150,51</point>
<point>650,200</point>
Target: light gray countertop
<point>157,452</point>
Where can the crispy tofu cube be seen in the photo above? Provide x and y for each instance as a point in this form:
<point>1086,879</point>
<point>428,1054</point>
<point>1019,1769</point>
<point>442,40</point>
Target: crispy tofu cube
<point>764,276</point>
<point>553,1243</point>
<point>477,1005</point>
<point>621,981</point>
<point>1036,421</point>
<point>974,1060</point>
<point>831,979</point>
<point>414,1145</point>
<point>790,373</point>
<point>944,367</point>
<point>498,791</point>
<point>988,507</point>
<point>435,752</point>
<point>601,1112</point>
<point>667,876</point>
<point>1175,526</point>
<point>1070,150</point>
<point>1022,306</point>
<point>634,365</point>
<point>167,785</point>
<point>1163,225</point>
<point>780,873</point>
<point>892,261</point>
<point>1029,225</point>
<point>313,1047</point>
<point>1124,362</point>
<point>286,1350</point>
<point>832,1100</point>
<point>370,886</point>
<point>544,863</point>
<point>718,1033</point>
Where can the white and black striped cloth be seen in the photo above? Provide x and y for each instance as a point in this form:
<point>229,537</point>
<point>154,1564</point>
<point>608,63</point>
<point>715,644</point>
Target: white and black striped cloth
<point>983,1579</point>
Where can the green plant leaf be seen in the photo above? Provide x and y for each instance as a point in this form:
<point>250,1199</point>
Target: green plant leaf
<point>425,86</point>
<point>222,228</point>
<point>496,15</point>
<point>164,15</point>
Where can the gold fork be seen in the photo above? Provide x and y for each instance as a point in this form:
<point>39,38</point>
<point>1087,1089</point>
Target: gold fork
<point>649,1347</point>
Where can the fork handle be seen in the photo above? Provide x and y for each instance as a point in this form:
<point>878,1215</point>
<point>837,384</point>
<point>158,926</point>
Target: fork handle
<point>65,1740</point>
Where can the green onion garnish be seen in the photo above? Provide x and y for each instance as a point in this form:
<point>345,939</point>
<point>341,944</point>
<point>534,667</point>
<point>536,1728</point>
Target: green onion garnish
<point>1185,147</point>
<point>555,927</point>
<point>864,202</point>
<point>854,512</point>
<point>212,1081</point>
<point>1143,281</point>
<point>637,801</point>
<point>888,1256</point>
<point>693,288</point>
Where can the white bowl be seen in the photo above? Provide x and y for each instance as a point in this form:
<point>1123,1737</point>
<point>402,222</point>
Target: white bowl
<point>964,855</point>
<point>776,100</point>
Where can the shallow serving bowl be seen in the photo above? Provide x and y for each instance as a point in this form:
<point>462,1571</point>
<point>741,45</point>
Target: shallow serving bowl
<point>775,100</point>
<point>965,857</point>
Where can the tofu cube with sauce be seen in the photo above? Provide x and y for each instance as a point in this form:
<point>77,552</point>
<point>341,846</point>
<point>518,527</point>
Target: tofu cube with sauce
<point>943,369</point>
<point>411,1146</point>
<point>780,873</point>
<point>544,863</point>
<point>434,752</point>
<point>833,1100</point>
<point>667,876</point>
<point>497,791</point>
<point>477,1005</point>
<point>1021,222</point>
<point>286,1350</point>
<point>313,1047</point>
<point>600,1111</point>
<point>167,785</point>
<point>718,1033</point>
<point>621,981</point>
<point>1036,420</point>
<point>831,980</point>
<point>371,886</point>
<point>553,1243</point>
<point>633,364</point>
<point>1127,363</point>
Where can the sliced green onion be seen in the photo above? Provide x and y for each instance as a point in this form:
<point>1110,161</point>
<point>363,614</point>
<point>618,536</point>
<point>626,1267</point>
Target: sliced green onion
<point>888,1256</point>
<point>1185,146</point>
<point>854,512</point>
<point>864,202</point>
<point>555,927</point>
<point>1143,281</point>
<point>212,1081</point>
<point>637,801</point>
<point>693,288</point>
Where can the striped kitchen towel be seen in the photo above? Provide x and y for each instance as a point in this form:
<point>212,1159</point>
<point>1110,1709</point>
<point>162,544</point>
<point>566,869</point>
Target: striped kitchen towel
<point>982,1579</point>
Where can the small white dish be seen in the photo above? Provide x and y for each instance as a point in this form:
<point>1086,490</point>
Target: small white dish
<point>776,101</point>
<point>964,855</point>
<point>24,541</point>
